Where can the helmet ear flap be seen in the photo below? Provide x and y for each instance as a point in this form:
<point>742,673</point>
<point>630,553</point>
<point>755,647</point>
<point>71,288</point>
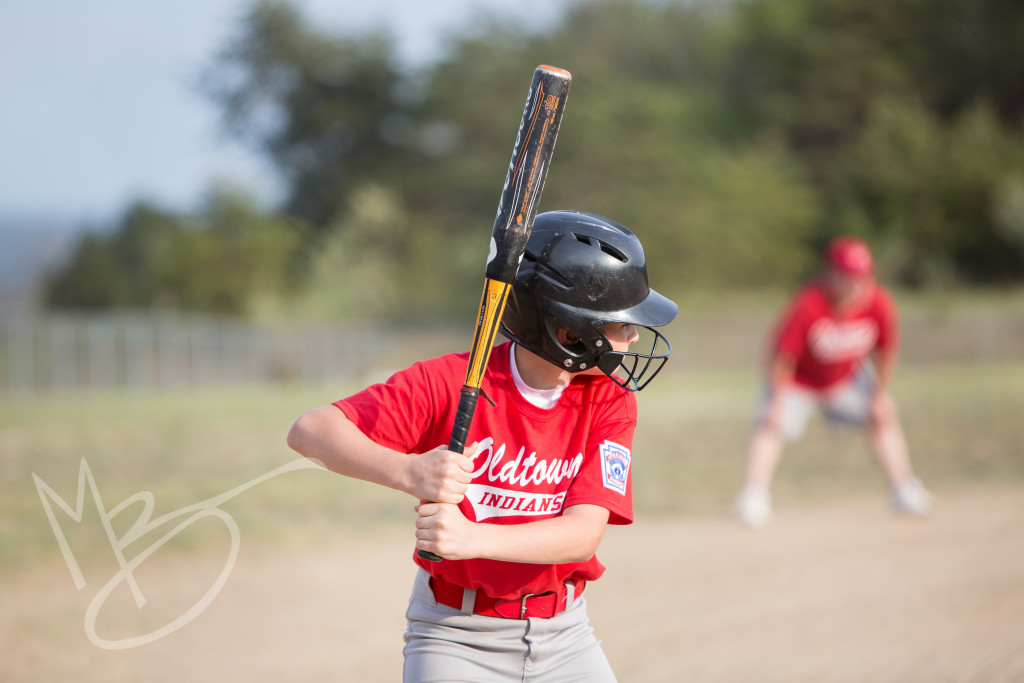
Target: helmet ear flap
<point>515,322</point>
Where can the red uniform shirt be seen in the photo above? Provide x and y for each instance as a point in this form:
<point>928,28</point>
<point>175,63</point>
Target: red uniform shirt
<point>532,463</point>
<point>827,346</point>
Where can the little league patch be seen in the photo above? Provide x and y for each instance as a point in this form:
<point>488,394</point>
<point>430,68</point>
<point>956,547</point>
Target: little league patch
<point>615,465</point>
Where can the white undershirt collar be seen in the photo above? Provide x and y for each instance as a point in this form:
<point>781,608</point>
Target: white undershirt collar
<point>542,398</point>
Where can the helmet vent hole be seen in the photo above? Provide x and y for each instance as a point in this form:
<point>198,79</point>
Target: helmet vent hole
<point>603,246</point>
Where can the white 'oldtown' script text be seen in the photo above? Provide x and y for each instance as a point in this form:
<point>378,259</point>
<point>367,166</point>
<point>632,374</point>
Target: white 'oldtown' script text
<point>524,471</point>
<point>834,341</point>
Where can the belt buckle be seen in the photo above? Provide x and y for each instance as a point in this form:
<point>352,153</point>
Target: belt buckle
<point>522,605</point>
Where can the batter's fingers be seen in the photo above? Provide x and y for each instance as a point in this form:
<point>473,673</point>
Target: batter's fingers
<point>422,544</point>
<point>447,497</point>
<point>427,509</point>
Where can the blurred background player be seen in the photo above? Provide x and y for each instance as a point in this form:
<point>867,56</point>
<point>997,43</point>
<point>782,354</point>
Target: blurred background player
<point>821,358</point>
<point>519,517</point>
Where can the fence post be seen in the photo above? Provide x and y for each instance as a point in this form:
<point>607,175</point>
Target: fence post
<point>21,358</point>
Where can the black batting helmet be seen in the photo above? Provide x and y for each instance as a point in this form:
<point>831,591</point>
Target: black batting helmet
<point>581,272</point>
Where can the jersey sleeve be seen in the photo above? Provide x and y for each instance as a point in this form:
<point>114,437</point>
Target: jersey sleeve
<point>791,331</point>
<point>606,475</point>
<point>398,413</point>
<point>888,322</point>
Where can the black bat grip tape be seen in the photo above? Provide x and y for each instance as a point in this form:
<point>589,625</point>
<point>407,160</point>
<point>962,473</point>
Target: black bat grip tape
<point>457,443</point>
<point>463,418</point>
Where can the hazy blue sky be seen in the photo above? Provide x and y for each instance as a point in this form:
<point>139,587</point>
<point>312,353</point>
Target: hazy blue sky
<point>100,103</point>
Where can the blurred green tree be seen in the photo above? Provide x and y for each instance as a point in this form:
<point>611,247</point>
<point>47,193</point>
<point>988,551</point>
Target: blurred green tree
<point>324,109</point>
<point>92,278</point>
<point>117,268</point>
<point>645,141</point>
<point>216,261</point>
<point>941,200</point>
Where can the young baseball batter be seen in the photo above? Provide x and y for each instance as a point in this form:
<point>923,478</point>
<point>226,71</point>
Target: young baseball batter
<point>822,358</point>
<point>519,517</point>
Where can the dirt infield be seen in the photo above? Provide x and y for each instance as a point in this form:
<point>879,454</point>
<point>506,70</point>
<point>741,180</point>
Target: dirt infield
<point>836,592</point>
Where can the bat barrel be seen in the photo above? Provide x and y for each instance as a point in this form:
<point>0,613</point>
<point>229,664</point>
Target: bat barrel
<point>527,171</point>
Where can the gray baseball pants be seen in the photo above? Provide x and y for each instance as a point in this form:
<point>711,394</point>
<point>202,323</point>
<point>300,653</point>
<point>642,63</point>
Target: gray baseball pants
<point>449,645</point>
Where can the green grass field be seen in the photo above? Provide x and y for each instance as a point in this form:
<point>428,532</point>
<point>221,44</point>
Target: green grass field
<point>964,424</point>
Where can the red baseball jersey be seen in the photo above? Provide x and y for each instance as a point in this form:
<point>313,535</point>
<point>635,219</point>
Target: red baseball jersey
<point>532,463</point>
<point>827,346</point>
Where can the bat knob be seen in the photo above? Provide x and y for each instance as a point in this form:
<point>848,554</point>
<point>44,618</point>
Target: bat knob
<point>429,556</point>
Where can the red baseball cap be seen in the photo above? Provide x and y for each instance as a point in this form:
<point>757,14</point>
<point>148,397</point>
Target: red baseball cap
<point>850,255</point>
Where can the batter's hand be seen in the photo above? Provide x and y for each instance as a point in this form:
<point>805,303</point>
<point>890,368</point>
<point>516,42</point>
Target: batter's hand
<point>442,529</point>
<point>441,475</point>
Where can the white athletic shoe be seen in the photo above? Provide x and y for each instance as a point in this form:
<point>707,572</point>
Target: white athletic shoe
<point>754,507</point>
<point>911,498</point>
